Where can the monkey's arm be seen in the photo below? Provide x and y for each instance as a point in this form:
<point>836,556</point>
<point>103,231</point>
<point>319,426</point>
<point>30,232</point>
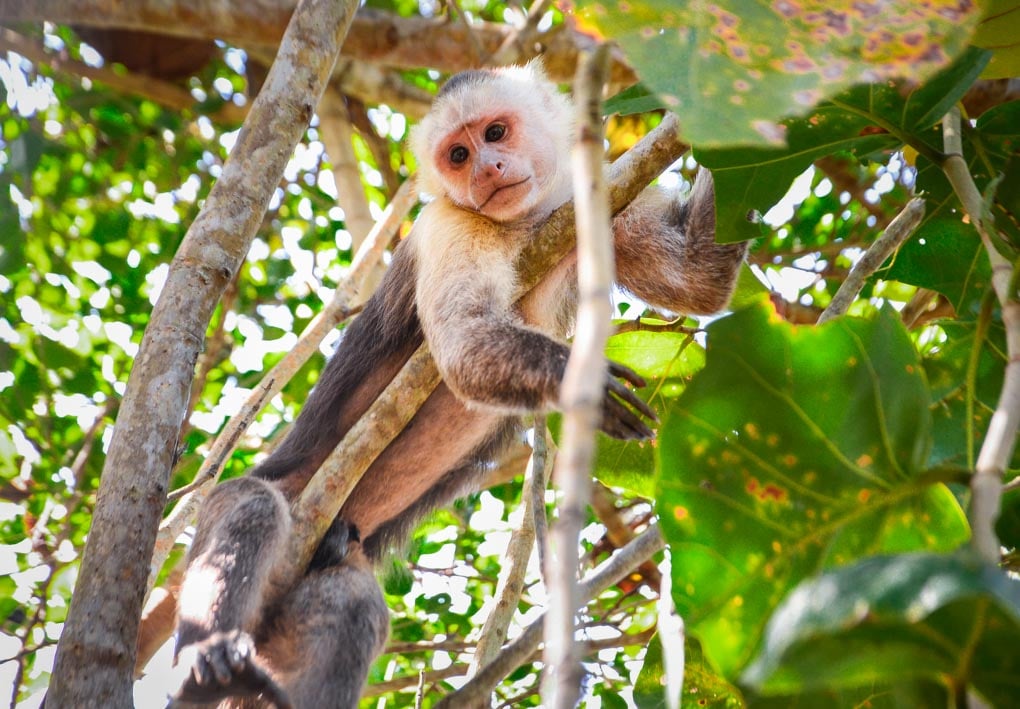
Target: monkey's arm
<point>483,349</point>
<point>666,252</point>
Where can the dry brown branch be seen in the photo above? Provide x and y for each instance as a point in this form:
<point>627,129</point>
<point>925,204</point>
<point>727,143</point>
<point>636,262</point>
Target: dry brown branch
<point>618,532</point>
<point>376,36</point>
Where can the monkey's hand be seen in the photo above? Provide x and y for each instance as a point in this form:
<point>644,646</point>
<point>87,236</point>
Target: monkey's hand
<point>225,666</point>
<point>619,419</point>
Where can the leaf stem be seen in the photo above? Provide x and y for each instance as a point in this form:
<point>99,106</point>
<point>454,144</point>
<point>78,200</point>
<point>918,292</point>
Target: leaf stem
<point>920,146</point>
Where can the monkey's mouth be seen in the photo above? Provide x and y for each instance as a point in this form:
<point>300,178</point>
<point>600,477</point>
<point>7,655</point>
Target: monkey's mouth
<point>496,191</point>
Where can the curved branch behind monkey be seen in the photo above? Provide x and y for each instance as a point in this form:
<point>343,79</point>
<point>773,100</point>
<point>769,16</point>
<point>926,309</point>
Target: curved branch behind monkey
<point>492,151</point>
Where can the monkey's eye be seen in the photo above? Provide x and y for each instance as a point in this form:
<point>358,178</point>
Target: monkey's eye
<point>458,154</point>
<point>495,132</point>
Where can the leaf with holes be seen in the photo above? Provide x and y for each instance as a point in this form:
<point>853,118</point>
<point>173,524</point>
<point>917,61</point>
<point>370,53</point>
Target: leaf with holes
<point>732,70</point>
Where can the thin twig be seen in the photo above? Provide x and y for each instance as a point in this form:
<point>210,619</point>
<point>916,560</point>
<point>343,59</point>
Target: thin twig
<point>477,690</point>
<point>583,383</point>
<point>515,561</point>
<point>898,231</point>
<point>1000,440</point>
<point>545,451</point>
<point>514,47</point>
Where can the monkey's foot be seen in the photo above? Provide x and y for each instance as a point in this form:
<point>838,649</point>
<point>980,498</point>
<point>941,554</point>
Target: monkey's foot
<point>225,666</point>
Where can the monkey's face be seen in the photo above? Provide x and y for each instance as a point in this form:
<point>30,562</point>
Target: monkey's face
<point>497,164</point>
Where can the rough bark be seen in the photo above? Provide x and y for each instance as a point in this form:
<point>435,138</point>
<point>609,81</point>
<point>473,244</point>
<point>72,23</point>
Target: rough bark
<point>375,36</point>
<point>96,655</point>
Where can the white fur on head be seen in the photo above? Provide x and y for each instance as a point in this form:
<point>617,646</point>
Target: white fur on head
<point>525,88</point>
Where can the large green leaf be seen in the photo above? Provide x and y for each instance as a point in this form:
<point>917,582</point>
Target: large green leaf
<point>749,181</point>
<point>795,449</point>
<point>732,70</point>
<point>945,618</point>
<point>997,31</point>
<point>861,120</point>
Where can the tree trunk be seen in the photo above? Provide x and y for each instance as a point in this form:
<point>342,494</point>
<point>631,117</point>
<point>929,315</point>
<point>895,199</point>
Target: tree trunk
<point>96,655</point>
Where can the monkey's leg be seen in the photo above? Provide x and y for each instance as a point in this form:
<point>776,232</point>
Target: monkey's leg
<point>241,535</point>
<point>666,252</point>
<point>327,633</point>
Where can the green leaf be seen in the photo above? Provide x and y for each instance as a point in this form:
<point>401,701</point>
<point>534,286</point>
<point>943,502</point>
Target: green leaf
<point>904,692</point>
<point>635,99</point>
<point>795,449</point>
<point>946,369</point>
<point>947,618</point>
<point>861,120</point>
<point>732,70</point>
<point>945,253</point>
<point>1008,524</point>
<point>703,687</point>
<point>997,31</point>
<point>749,181</point>
<point>666,360</point>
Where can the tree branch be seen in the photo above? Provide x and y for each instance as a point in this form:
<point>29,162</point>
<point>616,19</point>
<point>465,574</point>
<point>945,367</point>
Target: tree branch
<point>378,37</point>
<point>477,690</point>
<point>583,383</point>
<point>1000,440</point>
<point>898,231</point>
<point>96,655</point>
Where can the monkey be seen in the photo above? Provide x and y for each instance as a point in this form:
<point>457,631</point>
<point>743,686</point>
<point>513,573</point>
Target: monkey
<point>493,153</point>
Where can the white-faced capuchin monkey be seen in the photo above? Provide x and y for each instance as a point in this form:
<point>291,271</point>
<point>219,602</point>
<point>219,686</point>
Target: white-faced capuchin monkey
<point>494,152</point>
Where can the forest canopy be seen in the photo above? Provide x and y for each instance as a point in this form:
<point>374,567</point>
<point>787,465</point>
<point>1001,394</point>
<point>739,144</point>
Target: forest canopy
<point>835,473</point>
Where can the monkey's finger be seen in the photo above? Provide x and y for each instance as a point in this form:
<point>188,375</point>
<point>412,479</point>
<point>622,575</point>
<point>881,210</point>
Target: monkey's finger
<point>628,424</point>
<point>630,398</point>
<point>626,373</point>
<point>217,659</point>
<point>620,422</point>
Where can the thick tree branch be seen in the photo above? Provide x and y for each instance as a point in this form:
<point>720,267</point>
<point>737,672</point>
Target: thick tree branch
<point>376,36</point>
<point>96,655</point>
